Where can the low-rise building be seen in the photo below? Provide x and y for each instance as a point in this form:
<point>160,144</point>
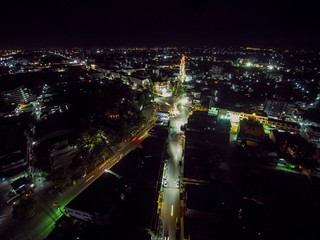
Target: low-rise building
<point>250,132</point>
<point>279,109</point>
<point>17,96</point>
<point>139,81</point>
<point>313,134</point>
<point>162,84</point>
<point>236,117</point>
<point>283,125</point>
<point>97,203</point>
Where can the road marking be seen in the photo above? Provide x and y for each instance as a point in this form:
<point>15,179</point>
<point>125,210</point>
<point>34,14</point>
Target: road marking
<point>171,210</point>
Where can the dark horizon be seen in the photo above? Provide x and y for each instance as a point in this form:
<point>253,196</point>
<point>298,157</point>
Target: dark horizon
<point>267,24</point>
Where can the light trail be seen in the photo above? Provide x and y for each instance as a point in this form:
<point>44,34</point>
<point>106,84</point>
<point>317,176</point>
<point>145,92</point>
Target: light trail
<point>102,165</point>
<point>171,210</point>
<point>88,179</point>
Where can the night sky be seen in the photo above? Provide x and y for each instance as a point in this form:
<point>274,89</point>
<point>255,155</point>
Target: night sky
<point>118,23</point>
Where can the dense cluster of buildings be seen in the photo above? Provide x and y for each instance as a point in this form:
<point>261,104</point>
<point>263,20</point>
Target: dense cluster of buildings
<point>127,194</point>
<point>253,112</point>
<point>249,107</point>
<point>36,83</point>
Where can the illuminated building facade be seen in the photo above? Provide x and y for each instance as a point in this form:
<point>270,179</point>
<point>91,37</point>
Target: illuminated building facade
<point>278,108</point>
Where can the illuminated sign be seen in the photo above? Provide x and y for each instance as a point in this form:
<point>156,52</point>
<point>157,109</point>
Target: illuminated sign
<point>163,115</point>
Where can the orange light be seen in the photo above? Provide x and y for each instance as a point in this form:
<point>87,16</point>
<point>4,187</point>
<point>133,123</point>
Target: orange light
<point>88,179</point>
<point>102,166</point>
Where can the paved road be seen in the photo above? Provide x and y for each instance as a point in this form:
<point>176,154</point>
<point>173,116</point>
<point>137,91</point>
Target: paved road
<point>170,210</point>
<point>40,226</point>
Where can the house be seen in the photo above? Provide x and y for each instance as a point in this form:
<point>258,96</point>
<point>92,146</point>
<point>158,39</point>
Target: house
<point>139,81</point>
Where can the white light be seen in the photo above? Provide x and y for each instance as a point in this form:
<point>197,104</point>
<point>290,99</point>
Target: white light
<point>171,210</point>
<point>184,100</point>
<point>270,67</point>
<point>188,78</point>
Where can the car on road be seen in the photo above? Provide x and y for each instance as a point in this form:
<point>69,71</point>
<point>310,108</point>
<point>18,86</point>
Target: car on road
<point>165,183</point>
<point>178,184</point>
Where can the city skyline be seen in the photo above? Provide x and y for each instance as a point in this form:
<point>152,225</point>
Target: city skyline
<point>159,120</point>
<point>159,143</point>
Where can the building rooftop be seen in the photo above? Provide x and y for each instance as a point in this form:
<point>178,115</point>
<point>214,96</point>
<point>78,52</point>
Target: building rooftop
<point>140,208</point>
<point>100,196</point>
<point>142,166</point>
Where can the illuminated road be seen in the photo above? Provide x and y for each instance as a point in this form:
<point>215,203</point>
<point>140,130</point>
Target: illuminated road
<point>40,226</point>
<point>171,201</point>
